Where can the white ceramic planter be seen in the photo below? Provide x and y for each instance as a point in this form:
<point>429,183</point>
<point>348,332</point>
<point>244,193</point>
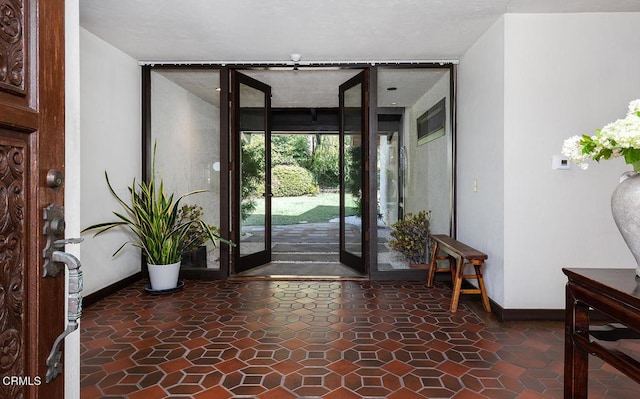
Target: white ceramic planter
<point>164,277</point>
<point>625,203</point>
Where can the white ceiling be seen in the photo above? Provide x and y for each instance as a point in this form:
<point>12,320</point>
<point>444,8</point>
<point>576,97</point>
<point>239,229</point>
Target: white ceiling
<point>320,30</point>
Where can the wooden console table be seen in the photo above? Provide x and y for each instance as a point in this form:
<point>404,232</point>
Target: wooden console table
<point>615,293</point>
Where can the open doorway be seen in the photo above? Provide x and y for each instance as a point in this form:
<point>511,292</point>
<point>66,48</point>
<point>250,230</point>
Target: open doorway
<point>305,207</point>
<point>281,158</point>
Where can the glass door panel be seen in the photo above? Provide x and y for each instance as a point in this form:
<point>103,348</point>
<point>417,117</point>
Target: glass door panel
<point>414,175</point>
<point>352,187</point>
<point>185,122</point>
<point>252,138</point>
<point>252,202</point>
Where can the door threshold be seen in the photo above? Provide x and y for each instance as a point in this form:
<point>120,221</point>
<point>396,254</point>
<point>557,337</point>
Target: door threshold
<point>287,277</point>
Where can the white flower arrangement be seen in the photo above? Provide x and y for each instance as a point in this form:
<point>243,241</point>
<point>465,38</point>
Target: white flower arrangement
<point>617,139</point>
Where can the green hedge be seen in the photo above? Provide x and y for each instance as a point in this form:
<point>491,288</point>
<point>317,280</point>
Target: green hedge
<point>292,181</point>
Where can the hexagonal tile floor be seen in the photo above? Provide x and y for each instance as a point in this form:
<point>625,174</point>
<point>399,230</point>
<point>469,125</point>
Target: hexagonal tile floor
<point>320,339</point>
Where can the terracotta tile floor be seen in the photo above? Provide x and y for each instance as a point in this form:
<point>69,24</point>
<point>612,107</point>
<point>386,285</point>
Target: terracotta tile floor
<point>320,339</point>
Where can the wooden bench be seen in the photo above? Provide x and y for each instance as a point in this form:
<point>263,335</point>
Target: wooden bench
<point>462,254</point>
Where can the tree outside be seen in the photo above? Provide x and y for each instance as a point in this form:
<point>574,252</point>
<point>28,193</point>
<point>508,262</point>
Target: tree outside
<point>304,168</point>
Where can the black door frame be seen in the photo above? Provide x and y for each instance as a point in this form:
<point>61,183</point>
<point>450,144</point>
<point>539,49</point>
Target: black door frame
<point>243,263</point>
<point>347,258</point>
<point>370,252</point>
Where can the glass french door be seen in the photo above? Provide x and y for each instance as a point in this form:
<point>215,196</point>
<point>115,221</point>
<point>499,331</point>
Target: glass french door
<point>251,135</point>
<point>354,196</point>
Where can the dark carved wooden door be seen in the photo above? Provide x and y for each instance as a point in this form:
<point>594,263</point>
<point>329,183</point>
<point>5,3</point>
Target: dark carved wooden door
<point>31,144</point>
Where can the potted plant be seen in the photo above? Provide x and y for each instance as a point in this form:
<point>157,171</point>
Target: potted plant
<point>192,248</point>
<point>152,216</point>
<point>411,237</point>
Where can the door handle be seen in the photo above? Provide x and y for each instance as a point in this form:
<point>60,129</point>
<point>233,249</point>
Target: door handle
<point>74,302</point>
<point>55,260</point>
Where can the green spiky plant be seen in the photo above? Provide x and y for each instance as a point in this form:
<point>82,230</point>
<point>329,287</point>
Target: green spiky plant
<point>154,219</point>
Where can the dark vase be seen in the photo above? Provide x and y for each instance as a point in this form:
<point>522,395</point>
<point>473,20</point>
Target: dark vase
<point>195,258</point>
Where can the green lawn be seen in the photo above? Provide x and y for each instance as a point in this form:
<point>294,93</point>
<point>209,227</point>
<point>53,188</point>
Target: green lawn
<point>310,209</point>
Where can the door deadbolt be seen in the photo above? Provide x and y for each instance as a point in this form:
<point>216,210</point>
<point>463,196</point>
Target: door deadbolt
<point>55,178</point>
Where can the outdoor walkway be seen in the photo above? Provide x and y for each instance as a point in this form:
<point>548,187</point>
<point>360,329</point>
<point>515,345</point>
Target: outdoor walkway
<point>305,249</point>
<point>312,339</point>
<point>312,249</point>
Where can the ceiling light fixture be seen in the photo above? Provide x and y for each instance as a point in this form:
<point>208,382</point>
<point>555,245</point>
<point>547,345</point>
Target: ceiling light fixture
<point>295,57</point>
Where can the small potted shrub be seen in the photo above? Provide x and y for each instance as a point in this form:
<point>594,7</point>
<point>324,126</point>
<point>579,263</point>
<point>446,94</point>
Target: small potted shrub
<point>192,248</point>
<point>411,237</point>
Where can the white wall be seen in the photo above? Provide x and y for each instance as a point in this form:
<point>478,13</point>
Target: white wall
<point>110,88</point>
<point>480,153</point>
<point>546,77</point>
<point>565,74</point>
